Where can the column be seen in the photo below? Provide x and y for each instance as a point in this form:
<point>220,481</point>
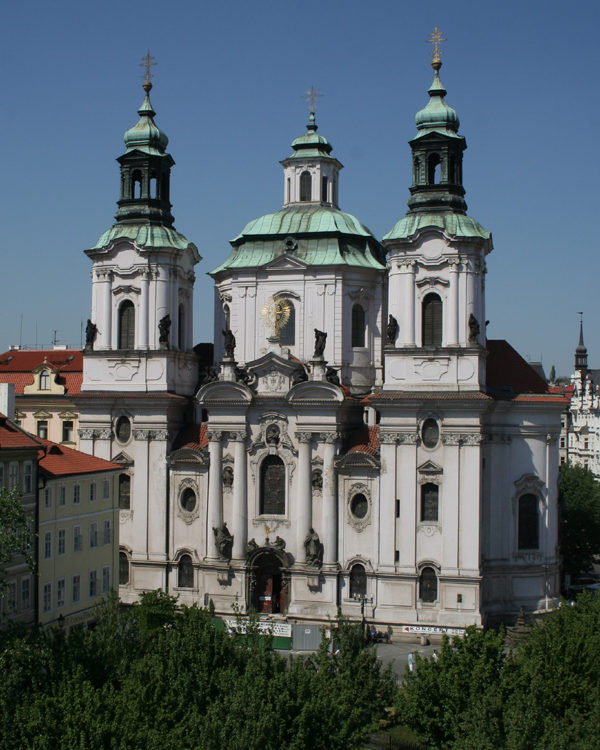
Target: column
<point>239,521</point>
<point>143,317</point>
<point>387,500</point>
<point>104,325</point>
<point>304,499</point>
<point>215,491</point>
<point>408,271</point>
<point>162,302</point>
<point>452,314</point>
<point>330,520</point>
<point>472,301</point>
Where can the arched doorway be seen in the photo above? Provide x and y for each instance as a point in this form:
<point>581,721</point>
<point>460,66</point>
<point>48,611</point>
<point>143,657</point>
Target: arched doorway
<point>268,582</point>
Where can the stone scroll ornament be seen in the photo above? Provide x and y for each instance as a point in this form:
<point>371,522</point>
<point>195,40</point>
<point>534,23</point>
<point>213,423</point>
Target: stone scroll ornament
<point>320,341</point>
<point>223,541</point>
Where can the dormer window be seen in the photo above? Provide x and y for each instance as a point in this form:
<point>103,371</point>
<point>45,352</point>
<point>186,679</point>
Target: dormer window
<point>44,380</point>
<point>305,186</point>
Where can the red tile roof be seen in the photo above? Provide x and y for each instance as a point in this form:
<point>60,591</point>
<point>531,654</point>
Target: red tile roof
<point>16,367</point>
<point>364,440</point>
<point>193,436</point>
<point>13,437</point>
<point>507,371</point>
<point>58,460</point>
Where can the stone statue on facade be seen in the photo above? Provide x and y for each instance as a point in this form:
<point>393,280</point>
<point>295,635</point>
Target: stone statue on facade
<point>279,543</point>
<point>229,343</point>
<point>299,375</point>
<point>251,546</point>
<point>320,341</point>
<point>473,328</point>
<point>331,375</point>
<point>272,435</point>
<point>317,480</point>
<point>91,331</point>
<point>392,330</point>
<point>313,549</point>
<point>223,541</point>
<point>164,327</point>
<point>227,476</point>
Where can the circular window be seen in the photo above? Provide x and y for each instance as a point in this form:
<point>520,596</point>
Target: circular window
<point>188,499</point>
<point>359,506</point>
<point>123,429</point>
<point>430,433</point>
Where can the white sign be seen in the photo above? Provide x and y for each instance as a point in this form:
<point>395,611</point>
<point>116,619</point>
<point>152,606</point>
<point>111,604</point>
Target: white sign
<point>432,630</point>
<point>274,628</point>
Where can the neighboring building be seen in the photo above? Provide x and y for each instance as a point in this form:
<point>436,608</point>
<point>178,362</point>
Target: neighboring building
<point>18,470</point>
<point>77,533</point>
<point>580,432</point>
<point>362,442</point>
<point>45,381</point>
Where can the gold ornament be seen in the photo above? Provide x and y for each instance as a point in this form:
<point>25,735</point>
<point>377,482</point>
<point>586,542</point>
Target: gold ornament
<point>276,313</point>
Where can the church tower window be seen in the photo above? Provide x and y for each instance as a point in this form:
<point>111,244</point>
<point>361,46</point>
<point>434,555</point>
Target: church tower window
<point>432,320</point>
<point>181,326</point>
<point>324,187</point>
<point>136,184</point>
<point>287,335</point>
<point>305,186</point>
<point>428,586</point>
<point>429,503</point>
<point>272,486</point>
<point>123,568</point>
<point>126,325</point>
<point>358,326</point>
<point>124,491</point>
<point>358,581</point>
<point>433,169</point>
<point>185,573</point>
<point>529,535</point>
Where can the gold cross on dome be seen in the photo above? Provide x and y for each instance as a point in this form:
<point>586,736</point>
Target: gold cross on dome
<point>147,63</point>
<point>312,96</point>
<point>435,39</point>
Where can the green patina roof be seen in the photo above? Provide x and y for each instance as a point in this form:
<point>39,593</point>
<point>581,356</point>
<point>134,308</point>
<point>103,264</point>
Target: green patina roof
<point>437,116</point>
<point>145,136</point>
<point>144,235</point>
<point>453,224</point>
<point>311,144</point>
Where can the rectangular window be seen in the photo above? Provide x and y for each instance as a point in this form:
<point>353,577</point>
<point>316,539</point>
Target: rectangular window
<point>25,593</point>
<point>13,475</point>
<point>60,593</point>
<point>397,508</point>
<point>562,443</point>
<point>67,431</point>
<point>27,477</point>
<point>77,539</point>
<point>106,489</point>
<point>93,584</point>
<point>47,497</point>
<point>11,597</point>
<point>42,429</point>
<point>397,556</point>
<point>106,579</point>
<point>76,494</point>
<point>1,476</point>
<point>105,532</point>
<point>76,588</point>
<point>93,534</point>
<point>47,601</point>
<point>62,495</point>
<point>47,545</point>
<point>92,492</point>
<point>62,541</point>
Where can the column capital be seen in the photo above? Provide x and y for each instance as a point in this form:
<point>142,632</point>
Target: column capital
<point>238,436</point>
<point>401,438</point>
<point>304,437</point>
<point>214,436</point>
<point>329,437</point>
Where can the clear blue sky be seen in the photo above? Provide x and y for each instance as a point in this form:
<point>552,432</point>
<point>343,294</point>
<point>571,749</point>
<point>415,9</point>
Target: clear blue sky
<point>523,77</point>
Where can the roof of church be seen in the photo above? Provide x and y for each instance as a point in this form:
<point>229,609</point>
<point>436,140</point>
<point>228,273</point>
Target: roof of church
<point>58,460</point>
<point>192,436</point>
<point>17,365</point>
<point>508,373</point>
<point>146,236</point>
<point>364,439</point>
<point>452,224</point>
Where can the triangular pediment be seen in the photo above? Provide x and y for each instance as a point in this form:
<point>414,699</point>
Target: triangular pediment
<point>286,261</point>
<point>430,467</point>
<point>122,458</point>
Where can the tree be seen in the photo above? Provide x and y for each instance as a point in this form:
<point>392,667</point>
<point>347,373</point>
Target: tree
<point>16,537</point>
<point>580,529</point>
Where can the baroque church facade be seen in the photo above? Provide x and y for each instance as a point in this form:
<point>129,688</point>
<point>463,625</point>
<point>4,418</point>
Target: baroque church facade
<point>356,442</point>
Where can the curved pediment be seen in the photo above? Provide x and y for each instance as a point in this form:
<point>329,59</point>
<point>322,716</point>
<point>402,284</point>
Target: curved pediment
<point>187,455</point>
<point>224,390</point>
<point>356,461</point>
<point>315,390</point>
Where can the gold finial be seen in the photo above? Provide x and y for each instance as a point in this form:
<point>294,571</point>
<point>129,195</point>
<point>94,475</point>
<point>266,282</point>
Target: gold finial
<point>312,96</point>
<point>435,39</point>
<point>267,531</point>
<point>147,63</point>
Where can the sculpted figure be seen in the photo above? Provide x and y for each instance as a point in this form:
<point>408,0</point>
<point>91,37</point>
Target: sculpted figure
<point>272,434</point>
<point>392,330</point>
<point>320,340</point>
<point>473,328</point>
<point>229,343</point>
<point>331,376</point>
<point>227,476</point>
<point>164,326</point>
<point>91,331</point>
<point>223,541</point>
<point>251,546</point>
<point>312,548</point>
<point>279,543</point>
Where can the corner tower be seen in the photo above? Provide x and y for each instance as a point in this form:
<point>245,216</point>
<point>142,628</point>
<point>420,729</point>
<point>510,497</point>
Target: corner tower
<point>436,264</point>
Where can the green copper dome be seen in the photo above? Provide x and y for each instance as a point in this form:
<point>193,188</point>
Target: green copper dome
<point>311,144</point>
<point>145,135</point>
<point>437,115</point>
<point>455,225</point>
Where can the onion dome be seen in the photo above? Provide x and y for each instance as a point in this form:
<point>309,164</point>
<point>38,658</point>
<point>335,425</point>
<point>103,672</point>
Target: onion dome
<point>145,135</point>
<point>437,115</point>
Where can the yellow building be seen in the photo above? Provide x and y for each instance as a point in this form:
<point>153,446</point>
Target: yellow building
<point>77,534</point>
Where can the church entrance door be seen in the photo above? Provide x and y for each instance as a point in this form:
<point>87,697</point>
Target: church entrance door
<point>268,592</point>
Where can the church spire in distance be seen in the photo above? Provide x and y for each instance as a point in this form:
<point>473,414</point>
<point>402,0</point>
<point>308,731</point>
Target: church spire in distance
<point>581,362</point>
<point>145,166</point>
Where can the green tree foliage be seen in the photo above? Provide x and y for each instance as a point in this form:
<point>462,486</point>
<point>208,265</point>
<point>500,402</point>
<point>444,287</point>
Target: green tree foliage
<point>580,531</point>
<point>543,696</point>
<point>16,539</point>
<point>156,677</point>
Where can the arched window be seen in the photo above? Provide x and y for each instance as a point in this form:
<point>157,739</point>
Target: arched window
<point>272,486</point>
<point>416,170</point>
<point>185,572</point>
<point>44,380</point>
<point>287,335</point>
<point>433,169</point>
<point>429,502</point>
<point>358,581</point>
<point>181,326</point>
<point>289,190</point>
<point>428,585</point>
<point>305,186</point>
<point>432,320</point>
<point>324,186</point>
<point>124,491</point>
<point>153,187</point>
<point>529,528</point>
<point>126,325</point>
<point>123,568</point>
<point>136,184</point>
<point>452,170</point>
<point>358,325</point>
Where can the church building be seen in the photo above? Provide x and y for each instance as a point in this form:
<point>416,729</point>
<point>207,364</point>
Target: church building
<point>357,443</point>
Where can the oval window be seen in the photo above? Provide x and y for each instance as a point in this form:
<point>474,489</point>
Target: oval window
<point>123,429</point>
<point>359,506</point>
<point>188,499</point>
<point>430,433</point>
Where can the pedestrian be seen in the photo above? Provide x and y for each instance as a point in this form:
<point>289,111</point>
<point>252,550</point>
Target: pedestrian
<point>411,661</point>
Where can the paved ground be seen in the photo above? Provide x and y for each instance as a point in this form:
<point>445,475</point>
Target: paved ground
<point>396,654</point>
